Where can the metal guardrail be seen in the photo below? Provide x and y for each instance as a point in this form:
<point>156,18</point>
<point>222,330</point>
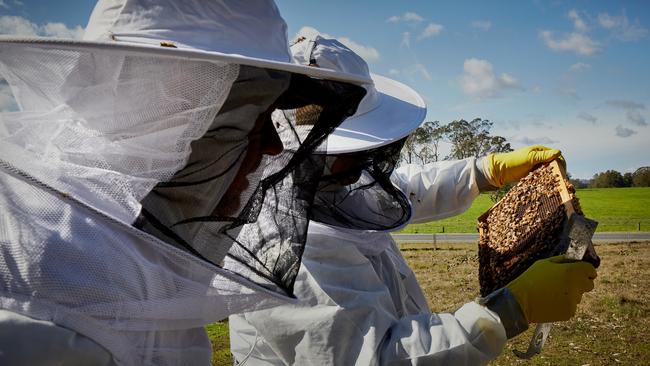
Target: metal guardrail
<point>604,225</point>
<point>435,238</point>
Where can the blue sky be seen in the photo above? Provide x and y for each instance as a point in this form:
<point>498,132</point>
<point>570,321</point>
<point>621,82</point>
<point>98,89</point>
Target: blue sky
<point>572,75</point>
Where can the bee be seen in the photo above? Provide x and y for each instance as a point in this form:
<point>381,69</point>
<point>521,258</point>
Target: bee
<point>167,44</point>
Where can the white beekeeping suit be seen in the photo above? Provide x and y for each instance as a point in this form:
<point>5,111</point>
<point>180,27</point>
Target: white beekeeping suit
<point>142,179</point>
<point>360,303</point>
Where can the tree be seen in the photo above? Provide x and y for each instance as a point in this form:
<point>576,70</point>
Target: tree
<point>468,139</point>
<point>608,179</point>
<point>422,145</point>
<point>641,177</point>
<point>434,133</point>
<point>576,183</point>
<point>627,180</point>
<point>473,139</point>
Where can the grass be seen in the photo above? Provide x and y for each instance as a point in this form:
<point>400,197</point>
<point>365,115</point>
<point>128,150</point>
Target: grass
<point>218,334</point>
<point>616,209</point>
<point>611,327</point>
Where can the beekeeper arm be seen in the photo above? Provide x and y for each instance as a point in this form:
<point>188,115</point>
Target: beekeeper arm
<point>473,335</point>
<point>548,291</point>
<point>448,188</point>
<point>361,310</point>
<point>439,190</point>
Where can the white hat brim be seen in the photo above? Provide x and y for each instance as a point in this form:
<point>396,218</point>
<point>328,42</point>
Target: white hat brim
<point>400,111</point>
<point>184,53</point>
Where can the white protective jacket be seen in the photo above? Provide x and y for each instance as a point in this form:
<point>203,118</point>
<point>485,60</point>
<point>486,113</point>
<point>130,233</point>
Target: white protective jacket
<point>360,303</point>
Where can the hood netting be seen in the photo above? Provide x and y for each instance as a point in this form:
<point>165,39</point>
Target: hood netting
<point>117,132</point>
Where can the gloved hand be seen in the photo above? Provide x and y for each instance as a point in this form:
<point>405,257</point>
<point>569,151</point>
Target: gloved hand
<point>551,288</point>
<point>501,168</point>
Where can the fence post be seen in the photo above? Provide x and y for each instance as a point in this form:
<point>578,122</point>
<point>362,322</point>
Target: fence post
<point>443,228</point>
<point>639,225</point>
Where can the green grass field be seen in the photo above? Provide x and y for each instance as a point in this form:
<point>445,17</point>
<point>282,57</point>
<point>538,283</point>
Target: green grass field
<point>615,209</point>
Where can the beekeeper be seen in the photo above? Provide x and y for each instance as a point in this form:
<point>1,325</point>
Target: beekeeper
<point>144,189</point>
<point>360,303</point>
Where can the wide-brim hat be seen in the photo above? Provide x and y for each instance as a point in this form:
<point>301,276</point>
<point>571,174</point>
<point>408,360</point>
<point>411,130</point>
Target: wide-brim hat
<point>390,110</point>
<point>397,111</point>
<point>237,32</point>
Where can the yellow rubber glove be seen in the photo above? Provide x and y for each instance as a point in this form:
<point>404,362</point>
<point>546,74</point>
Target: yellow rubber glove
<point>551,288</point>
<point>501,168</point>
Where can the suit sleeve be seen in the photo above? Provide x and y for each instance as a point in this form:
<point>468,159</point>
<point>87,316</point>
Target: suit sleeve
<point>438,190</point>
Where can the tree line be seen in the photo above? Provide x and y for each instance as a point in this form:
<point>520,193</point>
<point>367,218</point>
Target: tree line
<point>614,179</point>
<point>467,138</point>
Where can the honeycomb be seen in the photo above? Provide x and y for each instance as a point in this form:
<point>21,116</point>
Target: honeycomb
<point>527,224</point>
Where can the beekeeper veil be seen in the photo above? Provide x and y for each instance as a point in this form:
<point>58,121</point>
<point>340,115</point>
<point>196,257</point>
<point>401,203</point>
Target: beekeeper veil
<point>166,128</point>
<point>355,190</point>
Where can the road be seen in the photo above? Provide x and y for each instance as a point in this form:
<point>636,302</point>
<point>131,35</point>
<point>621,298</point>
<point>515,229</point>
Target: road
<point>470,238</point>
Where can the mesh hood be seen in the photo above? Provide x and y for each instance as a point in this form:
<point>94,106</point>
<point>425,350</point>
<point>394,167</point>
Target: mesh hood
<point>356,191</point>
<point>106,140</point>
<point>264,238</point>
<point>106,127</point>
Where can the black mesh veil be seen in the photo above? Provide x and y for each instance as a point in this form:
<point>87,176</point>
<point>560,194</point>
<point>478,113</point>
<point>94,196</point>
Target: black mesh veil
<point>356,191</point>
<point>258,230</point>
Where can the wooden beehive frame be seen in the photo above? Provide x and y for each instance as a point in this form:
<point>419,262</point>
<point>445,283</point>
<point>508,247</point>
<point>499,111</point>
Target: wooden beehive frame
<point>565,195</point>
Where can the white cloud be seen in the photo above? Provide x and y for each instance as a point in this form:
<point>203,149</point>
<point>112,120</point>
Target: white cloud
<point>509,80</point>
<point>7,101</point>
<point>543,140</point>
<point>625,104</point>
<point>624,132</point>
<point>479,81</point>
<point>538,122</point>
<point>576,42</point>
<point>586,155</point>
<point>578,23</point>
<point>423,71</point>
<point>570,92</point>
<point>19,3</point>
<point>607,21</point>
<point>579,67</point>
<point>635,117</point>
<point>369,54</point>
<point>417,70</point>
<point>431,30</point>
<point>536,89</point>
<point>632,110</point>
<point>60,30</point>
<point>19,26</point>
<point>484,25</point>
<point>622,28</point>
<point>408,17</point>
<point>587,117</point>
<point>406,40</point>
<point>3,4</point>
<point>510,124</point>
